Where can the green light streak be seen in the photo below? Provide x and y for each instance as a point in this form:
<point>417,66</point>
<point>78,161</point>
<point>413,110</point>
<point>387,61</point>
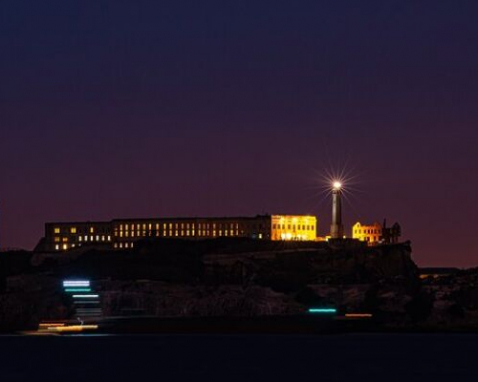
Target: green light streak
<point>72,290</point>
<point>323,310</point>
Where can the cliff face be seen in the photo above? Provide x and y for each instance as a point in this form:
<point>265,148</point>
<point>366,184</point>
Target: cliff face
<point>214,278</point>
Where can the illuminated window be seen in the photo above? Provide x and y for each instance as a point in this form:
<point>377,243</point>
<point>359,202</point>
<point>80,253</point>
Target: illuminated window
<point>109,238</point>
<point>116,245</point>
<point>97,238</point>
<point>73,230</point>
<point>102,238</point>
<point>126,245</point>
<point>192,232</point>
<point>80,238</point>
<point>57,247</point>
<point>92,230</point>
<point>65,247</point>
<point>57,230</point>
<point>65,240</point>
<point>91,238</point>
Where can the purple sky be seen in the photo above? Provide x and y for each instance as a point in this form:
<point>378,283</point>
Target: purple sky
<point>183,108</point>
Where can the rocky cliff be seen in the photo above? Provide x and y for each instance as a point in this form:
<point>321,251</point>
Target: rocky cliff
<point>235,277</point>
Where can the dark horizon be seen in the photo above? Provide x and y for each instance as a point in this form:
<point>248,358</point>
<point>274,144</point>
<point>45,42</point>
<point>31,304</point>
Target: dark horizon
<point>113,109</point>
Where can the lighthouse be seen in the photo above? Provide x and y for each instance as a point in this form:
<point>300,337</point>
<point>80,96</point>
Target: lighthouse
<point>337,228</point>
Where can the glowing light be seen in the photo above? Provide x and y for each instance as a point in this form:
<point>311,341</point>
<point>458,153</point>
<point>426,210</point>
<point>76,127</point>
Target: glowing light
<point>51,324</point>
<point>337,185</point>
<point>72,290</point>
<point>76,283</point>
<point>73,328</point>
<point>323,310</point>
<point>86,296</point>
<point>359,315</point>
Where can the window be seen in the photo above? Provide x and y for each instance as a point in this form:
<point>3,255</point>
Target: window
<point>57,239</point>
<point>73,229</point>
<point>92,229</point>
<point>57,230</point>
<point>57,247</point>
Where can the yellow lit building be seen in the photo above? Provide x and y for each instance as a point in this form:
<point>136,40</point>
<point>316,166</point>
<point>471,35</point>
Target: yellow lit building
<point>294,227</point>
<point>123,233</point>
<point>372,234</point>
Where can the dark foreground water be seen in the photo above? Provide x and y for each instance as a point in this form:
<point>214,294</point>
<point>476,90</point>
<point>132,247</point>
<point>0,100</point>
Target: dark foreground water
<point>376,357</point>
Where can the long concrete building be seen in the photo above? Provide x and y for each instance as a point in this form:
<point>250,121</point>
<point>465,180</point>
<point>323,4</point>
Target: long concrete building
<point>123,233</point>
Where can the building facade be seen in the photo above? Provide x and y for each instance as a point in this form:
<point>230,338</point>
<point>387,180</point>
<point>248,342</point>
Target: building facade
<point>123,233</point>
<point>372,234</point>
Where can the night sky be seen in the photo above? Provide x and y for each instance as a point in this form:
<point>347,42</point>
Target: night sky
<point>113,108</point>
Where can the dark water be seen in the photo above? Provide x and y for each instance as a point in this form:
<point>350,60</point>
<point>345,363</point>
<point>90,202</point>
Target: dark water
<point>376,357</point>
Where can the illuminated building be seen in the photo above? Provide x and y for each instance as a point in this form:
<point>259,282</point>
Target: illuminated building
<point>123,233</point>
<point>286,227</point>
<point>372,234</point>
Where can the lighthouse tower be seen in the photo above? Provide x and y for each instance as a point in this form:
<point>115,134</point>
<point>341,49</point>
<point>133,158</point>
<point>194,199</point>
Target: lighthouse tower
<point>337,228</point>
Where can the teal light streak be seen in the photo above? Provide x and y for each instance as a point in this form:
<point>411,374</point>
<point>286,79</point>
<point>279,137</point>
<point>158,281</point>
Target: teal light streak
<point>323,310</point>
<point>78,290</point>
